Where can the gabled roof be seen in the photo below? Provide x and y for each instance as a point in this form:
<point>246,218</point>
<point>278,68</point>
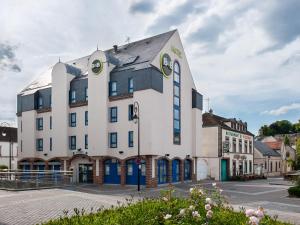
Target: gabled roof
<point>136,55</point>
<point>265,150</point>
<point>10,134</point>
<point>210,119</point>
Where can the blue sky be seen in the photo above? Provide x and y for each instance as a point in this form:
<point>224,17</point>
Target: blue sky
<point>244,55</point>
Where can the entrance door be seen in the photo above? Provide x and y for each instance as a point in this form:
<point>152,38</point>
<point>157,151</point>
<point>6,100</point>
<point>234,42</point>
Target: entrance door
<point>112,171</point>
<point>175,170</point>
<point>187,169</point>
<point>162,166</point>
<point>85,173</point>
<point>224,171</point>
<point>132,172</point>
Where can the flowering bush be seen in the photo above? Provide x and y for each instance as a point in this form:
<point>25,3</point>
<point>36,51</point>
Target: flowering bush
<point>201,207</point>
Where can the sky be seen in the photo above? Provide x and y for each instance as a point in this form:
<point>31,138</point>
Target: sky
<point>244,55</point>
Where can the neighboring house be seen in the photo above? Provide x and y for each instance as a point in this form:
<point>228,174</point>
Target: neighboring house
<point>267,161</point>
<point>81,115</point>
<point>227,148</point>
<point>288,153</point>
<point>8,142</point>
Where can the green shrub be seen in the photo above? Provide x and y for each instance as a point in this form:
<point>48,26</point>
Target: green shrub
<point>201,207</point>
<point>3,167</point>
<point>294,191</point>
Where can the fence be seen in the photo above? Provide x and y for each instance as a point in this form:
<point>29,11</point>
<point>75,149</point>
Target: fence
<point>33,179</point>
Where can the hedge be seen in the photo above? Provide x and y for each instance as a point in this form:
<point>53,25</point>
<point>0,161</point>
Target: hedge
<point>201,207</point>
<point>294,191</point>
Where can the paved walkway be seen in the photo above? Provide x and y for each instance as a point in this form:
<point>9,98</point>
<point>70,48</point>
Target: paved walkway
<point>36,206</point>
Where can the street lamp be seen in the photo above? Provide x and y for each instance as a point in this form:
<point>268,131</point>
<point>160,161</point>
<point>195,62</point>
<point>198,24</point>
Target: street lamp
<point>4,133</point>
<point>136,119</point>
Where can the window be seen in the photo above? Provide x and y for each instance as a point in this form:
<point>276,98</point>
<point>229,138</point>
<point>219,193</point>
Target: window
<point>113,114</point>
<point>250,166</point>
<point>39,144</point>
<point>86,143</point>
<point>72,142</point>
<point>21,126</point>
<point>39,123</point>
<point>271,166</point>
<point>50,141</point>
<point>130,139</point>
<point>130,112</point>
<point>176,105</point>
<point>0,150</point>
<point>73,96</point>
<point>72,119</point>
<point>246,147</point>
<point>21,145</point>
<point>250,147</point>
<point>50,122</point>
<point>240,146</point>
<point>40,102</point>
<point>113,140</point>
<point>50,100</point>
<point>246,166</point>
<point>86,118</point>
<point>86,94</point>
<point>130,85</point>
<point>234,144</point>
<point>113,88</point>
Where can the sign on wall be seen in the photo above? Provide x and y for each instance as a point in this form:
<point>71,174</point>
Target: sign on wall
<point>237,135</point>
<point>97,66</point>
<point>166,64</point>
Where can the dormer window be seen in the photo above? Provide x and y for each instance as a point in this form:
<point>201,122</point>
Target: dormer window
<point>113,88</point>
<point>40,102</point>
<point>73,96</point>
<point>130,85</point>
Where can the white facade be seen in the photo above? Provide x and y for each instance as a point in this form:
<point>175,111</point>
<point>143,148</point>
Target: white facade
<point>155,113</point>
<point>224,144</point>
<point>4,154</point>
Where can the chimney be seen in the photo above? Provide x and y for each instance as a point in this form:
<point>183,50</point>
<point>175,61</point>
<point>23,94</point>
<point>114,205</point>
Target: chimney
<point>115,48</point>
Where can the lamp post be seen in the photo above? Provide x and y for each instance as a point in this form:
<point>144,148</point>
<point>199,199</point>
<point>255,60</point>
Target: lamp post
<point>5,132</point>
<point>136,119</point>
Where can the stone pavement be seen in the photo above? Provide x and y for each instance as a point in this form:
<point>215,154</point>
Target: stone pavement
<point>36,206</point>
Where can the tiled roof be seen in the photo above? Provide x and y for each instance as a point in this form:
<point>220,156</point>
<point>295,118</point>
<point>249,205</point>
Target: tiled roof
<point>264,149</point>
<point>11,134</point>
<point>210,119</point>
<point>136,55</point>
<point>274,144</point>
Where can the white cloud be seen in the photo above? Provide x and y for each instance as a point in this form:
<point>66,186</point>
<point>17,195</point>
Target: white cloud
<point>283,109</point>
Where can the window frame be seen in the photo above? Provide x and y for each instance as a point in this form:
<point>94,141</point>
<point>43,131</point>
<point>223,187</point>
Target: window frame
<point>113,119</point>
<point>40,102</point>
<point>177,103</point>
<point>113,144</point>
<point>39,124</point>
<point>130,85</point>
<point>72,96</point>
<point>72,146</point>
<point>71,117</point>
<point>86,95</point>
<point>111,91</point>
<point>130,139</point>
<point>50,144</point>
<point>86,118</point>
<point>86,141</point>
<point>39,144</point>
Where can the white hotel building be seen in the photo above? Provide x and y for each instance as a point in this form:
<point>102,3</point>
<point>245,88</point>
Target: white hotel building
<point>79,115</point>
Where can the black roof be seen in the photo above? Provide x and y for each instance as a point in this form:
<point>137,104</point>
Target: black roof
<point>11,134</point>
<point>265,150</point>
<point>210,119</point>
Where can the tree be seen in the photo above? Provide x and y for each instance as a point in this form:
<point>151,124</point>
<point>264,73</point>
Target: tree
<point>286,140</point>
<point>298,153</point>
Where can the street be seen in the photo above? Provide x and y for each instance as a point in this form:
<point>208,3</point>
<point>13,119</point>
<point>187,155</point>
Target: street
<point>36,206</point>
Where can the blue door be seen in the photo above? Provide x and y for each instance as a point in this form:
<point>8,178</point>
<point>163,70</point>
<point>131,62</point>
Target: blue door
<point>175,170</point>
<point>132,172</point>
<point>224,172</point>
<point>112,171</point>
<point>187,169</point>
<point>25,171</point>
<point>162,168</point>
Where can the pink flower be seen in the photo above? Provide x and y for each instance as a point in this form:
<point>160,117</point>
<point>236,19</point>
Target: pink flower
<point>168,216</point>
<point>253,220</point>
<point>250,212</point>
<point>207,207</point>
<point>165,199</point>
<point>195,214</point>
<point>208,200</point>
<point>209,214</point>
<point>259,213</point>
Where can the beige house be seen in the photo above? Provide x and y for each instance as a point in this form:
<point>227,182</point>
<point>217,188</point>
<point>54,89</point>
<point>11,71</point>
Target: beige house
<point>267,162</point>
<point>227,148</point>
